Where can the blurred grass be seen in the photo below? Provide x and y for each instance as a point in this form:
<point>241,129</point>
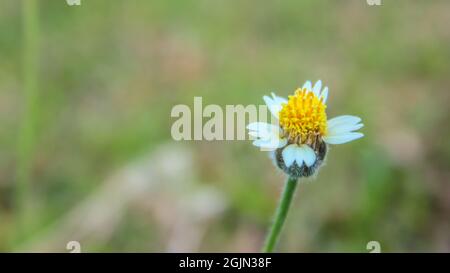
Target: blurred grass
<point>111,72</point>
<point>26,138</point>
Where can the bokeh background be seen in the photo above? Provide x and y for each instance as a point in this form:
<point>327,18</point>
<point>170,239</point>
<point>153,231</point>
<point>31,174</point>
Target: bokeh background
<point>86,153</point>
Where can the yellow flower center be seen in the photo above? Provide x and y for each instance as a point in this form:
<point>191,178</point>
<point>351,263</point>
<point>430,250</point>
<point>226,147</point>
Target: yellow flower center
<point>303,118</point>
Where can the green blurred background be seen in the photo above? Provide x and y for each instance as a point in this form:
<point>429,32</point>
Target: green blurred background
<point>88,155</point>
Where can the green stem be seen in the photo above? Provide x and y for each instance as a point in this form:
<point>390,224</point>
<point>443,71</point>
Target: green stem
<point>280,215</point>
<point>26,138</point>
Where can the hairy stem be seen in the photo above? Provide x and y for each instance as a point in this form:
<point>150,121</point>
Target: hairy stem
<point>280,215</point>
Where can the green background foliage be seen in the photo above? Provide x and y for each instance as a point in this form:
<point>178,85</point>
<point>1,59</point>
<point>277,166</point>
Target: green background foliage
<point>109,73</point>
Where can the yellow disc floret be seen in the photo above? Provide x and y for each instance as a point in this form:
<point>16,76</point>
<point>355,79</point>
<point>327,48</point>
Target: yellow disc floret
<point>303,118</point>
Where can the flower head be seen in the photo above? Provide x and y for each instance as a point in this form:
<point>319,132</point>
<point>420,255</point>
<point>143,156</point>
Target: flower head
<point>298,141</point>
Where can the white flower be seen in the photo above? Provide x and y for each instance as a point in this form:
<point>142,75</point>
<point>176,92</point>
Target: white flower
<point>299,139</point>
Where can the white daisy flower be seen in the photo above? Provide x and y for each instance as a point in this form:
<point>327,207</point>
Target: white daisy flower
<point>298,142</point>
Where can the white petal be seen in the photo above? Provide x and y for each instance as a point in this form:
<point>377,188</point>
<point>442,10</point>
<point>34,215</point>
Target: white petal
<point>255,126</point>
<point>282,142</point>
<point>317,88</point>
<point>268,135</point>
<point>270,144</point>
<point>308,85</point>
<point>278,99</point>
<point>343,138</point>
<point>343,128</point>
<point>324,94</point>
<point>345,119</point>
<point>340,129</point>
<point>308,155</point>
<point>262,129</point>
<point>299,154</point>
<point>289,154</point>
<point>274,104</point>
<point>264,144</point>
